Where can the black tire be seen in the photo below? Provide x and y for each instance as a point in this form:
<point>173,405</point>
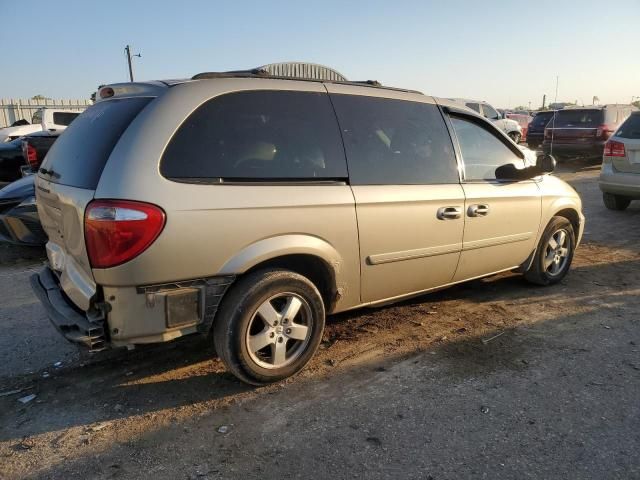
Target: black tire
<point>538,272</point>
<point>514,136</point>
<point>239,311</point>
<point>615,202</point>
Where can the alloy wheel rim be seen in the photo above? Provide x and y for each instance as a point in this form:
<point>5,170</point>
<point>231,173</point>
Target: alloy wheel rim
<point>557,252</point>
<point>279,331</point>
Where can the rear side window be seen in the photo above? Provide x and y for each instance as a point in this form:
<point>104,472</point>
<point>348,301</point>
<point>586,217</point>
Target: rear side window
<point>64,118</point>
<point>253,135</point>
<point>630,128</point>
<point>80,154</point>
<point>482,151</point>
<point>395,142</point>
<point>579,118</point>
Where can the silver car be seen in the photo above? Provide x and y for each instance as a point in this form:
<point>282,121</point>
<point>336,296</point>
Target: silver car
<point>249,205</point>
<point>620,173</point>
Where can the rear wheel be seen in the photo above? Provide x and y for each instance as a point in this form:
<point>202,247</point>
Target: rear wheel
<point>554,253</point>
<point>269,326</point>
<point>515,136</point>
<point>615,202</point>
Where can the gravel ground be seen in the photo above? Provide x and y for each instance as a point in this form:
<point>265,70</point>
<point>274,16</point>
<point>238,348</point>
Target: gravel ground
<point>490,379</point>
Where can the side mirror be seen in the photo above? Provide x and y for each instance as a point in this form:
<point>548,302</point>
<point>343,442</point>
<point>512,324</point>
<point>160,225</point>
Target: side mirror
<point>545,163</point>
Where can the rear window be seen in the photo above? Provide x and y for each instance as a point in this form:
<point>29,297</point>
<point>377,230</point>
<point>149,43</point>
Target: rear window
<point>541,119</point>
<point>579,118</point>
<point>80,154</point>
<point>64,118</point>
<point>630,128</point>
<point>258,135</point>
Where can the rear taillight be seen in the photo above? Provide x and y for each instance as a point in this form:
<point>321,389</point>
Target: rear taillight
<point>604,131</point>
<point>614,149</point>
<point>30,155</point>
<point>117,231</point>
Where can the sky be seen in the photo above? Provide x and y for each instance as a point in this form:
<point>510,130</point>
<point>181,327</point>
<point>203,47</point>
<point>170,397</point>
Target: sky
<point>508,53</point>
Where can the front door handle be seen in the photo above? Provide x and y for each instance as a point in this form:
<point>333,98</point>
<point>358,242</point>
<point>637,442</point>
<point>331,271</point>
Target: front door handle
<point>449,213</point>
<point>478,210</point>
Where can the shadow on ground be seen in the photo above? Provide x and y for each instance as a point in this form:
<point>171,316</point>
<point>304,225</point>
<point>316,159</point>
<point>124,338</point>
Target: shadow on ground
<point>124,384</point>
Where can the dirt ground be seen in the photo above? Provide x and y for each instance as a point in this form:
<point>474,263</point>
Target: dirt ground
<point>490,379</point>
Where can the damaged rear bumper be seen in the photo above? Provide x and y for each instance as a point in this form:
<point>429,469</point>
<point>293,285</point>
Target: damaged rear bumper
<point>85,329</point>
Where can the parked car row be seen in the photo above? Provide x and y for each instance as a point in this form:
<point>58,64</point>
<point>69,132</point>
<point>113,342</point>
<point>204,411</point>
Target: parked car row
<point>583,131</point>
<point>250,204</point>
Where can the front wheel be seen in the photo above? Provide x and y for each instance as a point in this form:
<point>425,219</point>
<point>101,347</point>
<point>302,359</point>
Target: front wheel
<point>269,326</point>
<point>515,136</point>
<point>615,202</point>
<point>554,253</point>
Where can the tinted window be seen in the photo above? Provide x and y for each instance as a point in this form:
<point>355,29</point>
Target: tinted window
<point>64,118</point>
<point>482,151</point>
<point>630,128</point>
<point>490,112</point>
<point>474,106</point>
<point>258,135</point>
<point>582,118</point>
<point>79,155</point>
<point>395,142</point>
<point>541,119</point>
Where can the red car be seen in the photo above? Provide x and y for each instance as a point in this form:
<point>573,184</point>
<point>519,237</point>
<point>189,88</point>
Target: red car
<point>523,120</point>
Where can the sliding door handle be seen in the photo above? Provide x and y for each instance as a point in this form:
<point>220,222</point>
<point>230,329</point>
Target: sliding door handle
<point>478,210</point>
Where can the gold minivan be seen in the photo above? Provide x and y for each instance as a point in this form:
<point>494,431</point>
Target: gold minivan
<point>249,205</point>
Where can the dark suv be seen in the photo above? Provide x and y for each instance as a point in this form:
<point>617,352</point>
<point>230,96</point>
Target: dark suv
<point>535,130</point>
<point>583,131</point>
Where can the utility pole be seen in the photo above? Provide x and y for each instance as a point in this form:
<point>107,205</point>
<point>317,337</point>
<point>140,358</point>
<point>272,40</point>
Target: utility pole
<point>127,50</point>
<point>544,101</point>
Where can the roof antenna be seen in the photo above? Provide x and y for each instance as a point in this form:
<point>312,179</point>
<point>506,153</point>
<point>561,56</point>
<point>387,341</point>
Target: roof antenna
<point>553,120</point>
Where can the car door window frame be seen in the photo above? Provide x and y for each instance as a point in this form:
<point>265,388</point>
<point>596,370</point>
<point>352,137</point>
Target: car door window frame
<point>448,113</point>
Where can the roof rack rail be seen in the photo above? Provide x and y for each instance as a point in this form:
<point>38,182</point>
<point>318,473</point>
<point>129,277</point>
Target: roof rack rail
<point>295,71</point>
<point>298,70</point>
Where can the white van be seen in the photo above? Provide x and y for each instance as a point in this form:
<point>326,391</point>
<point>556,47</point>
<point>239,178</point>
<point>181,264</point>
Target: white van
<point>44,118</point>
